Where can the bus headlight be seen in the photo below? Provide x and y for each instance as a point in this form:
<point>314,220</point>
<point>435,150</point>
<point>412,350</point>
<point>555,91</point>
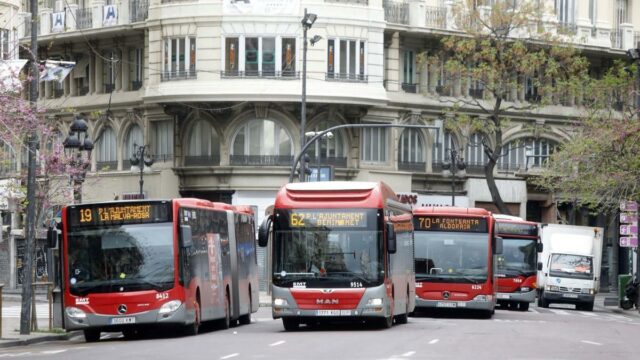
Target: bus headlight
<point>375,302</point>
<point>280,302</point>
<point>588,291</point>
<point>170,307</point>
<point>525,289</point>
<point>75,313</point>
<point>482,298</point>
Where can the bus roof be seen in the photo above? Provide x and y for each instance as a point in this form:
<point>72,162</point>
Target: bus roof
<point>180,201</point>
<point>450,210</point>
<point>334,194</point>
<point>244,209</point>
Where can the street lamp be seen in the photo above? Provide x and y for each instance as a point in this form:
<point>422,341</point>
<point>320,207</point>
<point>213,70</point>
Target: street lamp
<point>307,23</point>
<point>139,159</point>
<point>77,143</point>
<point>457,163</point>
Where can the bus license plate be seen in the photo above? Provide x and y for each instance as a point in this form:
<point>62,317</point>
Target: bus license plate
<point>123,320</point>
<point>333,312</point>
<point>446,304</point>
<point>503,296</point>
<point>572,296</point>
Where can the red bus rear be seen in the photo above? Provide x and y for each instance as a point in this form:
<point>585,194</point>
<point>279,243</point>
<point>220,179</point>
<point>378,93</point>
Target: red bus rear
<point>516,267</point>
<point>454,258</point>
<point>132,265</point>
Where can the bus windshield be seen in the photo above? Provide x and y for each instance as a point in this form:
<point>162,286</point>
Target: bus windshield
<point>121,258</point>
<point>518,257</point>
<point>451,256</point>
<point>572,266</point>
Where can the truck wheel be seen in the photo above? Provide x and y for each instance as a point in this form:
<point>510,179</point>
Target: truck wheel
<point>542,302</point>
<point>585,306</point>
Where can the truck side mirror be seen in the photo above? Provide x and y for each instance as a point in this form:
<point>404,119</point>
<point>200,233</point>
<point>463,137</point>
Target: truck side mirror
<point>539,266</point>
<point>52,238</point>
<point>497,248</point>
<point>392,243</point>
<point>539,247</point>
<point>186,238</point>
<point>263,231</point>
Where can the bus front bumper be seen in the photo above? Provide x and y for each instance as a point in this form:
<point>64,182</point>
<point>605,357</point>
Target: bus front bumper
<point>117,322</point>
<point>487,303</point>
<point>525,297</point>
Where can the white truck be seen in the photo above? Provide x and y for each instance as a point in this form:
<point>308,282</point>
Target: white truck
<point>569,265</point>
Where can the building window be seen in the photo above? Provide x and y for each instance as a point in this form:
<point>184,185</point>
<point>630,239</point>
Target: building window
<point>136,68</point>
<point>331,149</point>
<point>5,52</point>
<point>179,56</point>
<point>135,138</point>
<point>475,156</point>
<point>411,151</point>
<point>442,151</point>
<point>409,72</point>
<point>8,161</point>
<point>524,154</point>
<point>374,145</point>
<point>203,145</point>
<point>262,142</point>
<point>107,158</point>
<point>531,89</point>
<point>565,11</point>
<point>263,56</point>
<point>593,6</point>
<point>109,70</point>
<point>163,144</point>
<point>346,60</point>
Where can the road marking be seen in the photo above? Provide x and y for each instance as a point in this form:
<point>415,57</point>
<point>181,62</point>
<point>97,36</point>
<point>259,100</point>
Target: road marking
<point>16,355</point>
<point>559,312</point>
<point>277,343</point>
<point>433,341</point>
<point>52,352</point>
<point>591,342</point>
<point>587,313</point>
<point>409,353</point>
<point>229,356</point>
<point>534,311</point>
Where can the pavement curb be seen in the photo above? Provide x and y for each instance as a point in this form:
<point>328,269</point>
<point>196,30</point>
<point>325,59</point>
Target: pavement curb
<point>9,342</point>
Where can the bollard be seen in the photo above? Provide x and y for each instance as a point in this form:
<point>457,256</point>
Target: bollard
<point>50,298</point>
<point>1,286</point>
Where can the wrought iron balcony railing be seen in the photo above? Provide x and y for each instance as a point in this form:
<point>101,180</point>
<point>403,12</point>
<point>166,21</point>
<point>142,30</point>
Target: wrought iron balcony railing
<point>412,166</point>
<point>286,75</point>
<point>202,160</point>
<point>261,160</point>
<point>396,12</point>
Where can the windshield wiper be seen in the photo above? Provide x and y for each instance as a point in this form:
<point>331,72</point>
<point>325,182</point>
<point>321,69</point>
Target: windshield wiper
<point>346,274</point>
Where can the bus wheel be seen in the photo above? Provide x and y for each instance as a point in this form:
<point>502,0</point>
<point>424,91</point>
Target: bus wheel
<point>290,324</point>
<point>226,322</point>
<point>91,335</point>
<point>246,319</point>
<point>193,329</point>
<point>404,318</point>
<point>131,333</point>
<point>524,306</point>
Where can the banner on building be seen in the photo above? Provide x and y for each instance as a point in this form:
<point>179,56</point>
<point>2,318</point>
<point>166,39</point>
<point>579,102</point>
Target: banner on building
<point>56,70</point>
<point>110,15</point>
<point>10,74</point>
<point>57,21</point>
<point>261,7</point>
<point>416,200</point>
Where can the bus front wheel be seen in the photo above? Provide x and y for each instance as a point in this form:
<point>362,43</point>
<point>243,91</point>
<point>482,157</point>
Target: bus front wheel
<point>290,324</point>
<point>91,335</point>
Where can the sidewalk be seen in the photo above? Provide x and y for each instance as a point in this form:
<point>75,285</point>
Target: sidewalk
<point>609,301</point>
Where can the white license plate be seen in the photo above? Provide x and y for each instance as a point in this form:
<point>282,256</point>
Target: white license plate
<point>123,320</point>
<point>572,296</point>
<point>328,312</point>
<point>446,304</point>
<point>503,296</point>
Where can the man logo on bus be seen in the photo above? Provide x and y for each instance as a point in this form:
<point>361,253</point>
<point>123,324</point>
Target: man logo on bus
<point>327,301</point>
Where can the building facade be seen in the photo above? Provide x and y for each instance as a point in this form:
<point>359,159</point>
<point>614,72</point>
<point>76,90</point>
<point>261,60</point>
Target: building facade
<point>214,88</point>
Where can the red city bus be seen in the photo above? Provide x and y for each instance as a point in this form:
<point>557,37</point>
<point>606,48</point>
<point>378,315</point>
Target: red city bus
<point>341,251</point>
<point>516,267</point>
<point>131,265</point>
<point>454,260</point>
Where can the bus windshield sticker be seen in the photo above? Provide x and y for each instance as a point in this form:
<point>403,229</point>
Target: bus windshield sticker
<point>450,223</point>
<point>327,218</point>
<point>516,229</point>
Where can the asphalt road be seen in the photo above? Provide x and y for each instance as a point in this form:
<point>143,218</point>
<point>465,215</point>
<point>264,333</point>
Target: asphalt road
<point>554,333</point>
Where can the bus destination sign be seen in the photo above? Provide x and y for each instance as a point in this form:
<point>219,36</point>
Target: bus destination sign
<point>450,223</point>
<point>511,228</point>
<point>117,214</point>
<point>331,218</point>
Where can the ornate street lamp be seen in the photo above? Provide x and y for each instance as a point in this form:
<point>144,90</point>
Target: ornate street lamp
<point>77,143</point>
<point>141,159</point>
<point>457,164</point>
<point>307,23</point>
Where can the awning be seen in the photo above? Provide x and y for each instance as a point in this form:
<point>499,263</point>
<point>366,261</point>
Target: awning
<point>56,70</point>
<point>80,70</point>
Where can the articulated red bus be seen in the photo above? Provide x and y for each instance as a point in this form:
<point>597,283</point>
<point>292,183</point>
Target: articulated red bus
<point>517,264</point>
<point>128,265</point>
<point>454,259</point>
<point>341,250</point>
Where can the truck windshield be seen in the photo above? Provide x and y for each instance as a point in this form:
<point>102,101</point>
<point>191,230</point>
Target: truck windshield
<point>121,258</point>
<point>518,257</point>
<point>573,266</point>
<point>458,257</point>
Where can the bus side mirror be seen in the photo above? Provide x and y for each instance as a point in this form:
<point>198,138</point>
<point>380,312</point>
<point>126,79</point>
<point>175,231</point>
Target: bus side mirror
<point>186,238</point>
<point>392,244</point>
<point>497,248</point>
<point>539,247</point>
<point>263,232</point>
<point>52,238</point>
<point>539,266</point>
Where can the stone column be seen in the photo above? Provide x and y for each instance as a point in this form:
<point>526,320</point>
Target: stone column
<point>417,13</point>
<point>423,78</point>
<point>118,66</point>
<point>604,24</point>
<point>627,36</point>
<point>393,63</point>
<point>125,70</point>
<point>583,22</point>
<point>70,17</point>
<point>450,23</point>
<point>434,69</point>
<point>45,21</point>
<point>97,74</point>
<point>123,12</point>
<point>73,87</point>
<point>96,12</point>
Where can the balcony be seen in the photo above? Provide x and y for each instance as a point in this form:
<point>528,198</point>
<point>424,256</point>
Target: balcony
<point>261,160</point>
<point>410,88</point>
<point>437,166</point>
<point>396,12</point>
<point>443,90</point>
<point>340,162</point>
<point>83,91</point>
<point>162,157</point>
<point>475,168</point>
<point>138,10</point>
<point>178,75</point>
<point>285,75</point>
<point>107,165</point>
<point>350,2</point>
<point>202,160</point>
<point>412,166</point>
<point>84,18</point>
<point>346,77</point>
<point>436,17</point>
<point>136,85</point>
<point>476,93</point>
<point>58,93</point>
<point>109,88</point>
<point>567,28</point>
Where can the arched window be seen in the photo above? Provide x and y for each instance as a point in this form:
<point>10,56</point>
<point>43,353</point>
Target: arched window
<point>106,146</point>
<point>8,161</point>
<point>262,142</point>
<point>411,151</point>
<point>331,148</point>
<point>442,150</point>
<point>134,139</point>
<point>203,145</point>
<point>523,154</point>
<point>475,158</point>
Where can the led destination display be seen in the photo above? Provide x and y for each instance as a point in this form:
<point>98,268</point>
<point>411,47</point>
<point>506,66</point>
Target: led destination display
<point>450,223</point>
<point>114,214</point>
<point>329,218</point>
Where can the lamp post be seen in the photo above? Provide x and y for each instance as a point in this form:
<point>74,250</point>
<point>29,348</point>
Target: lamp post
<point>139,159</point>
<point>77,143</point>
<point>307,23</point>
<point>457,163</point>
